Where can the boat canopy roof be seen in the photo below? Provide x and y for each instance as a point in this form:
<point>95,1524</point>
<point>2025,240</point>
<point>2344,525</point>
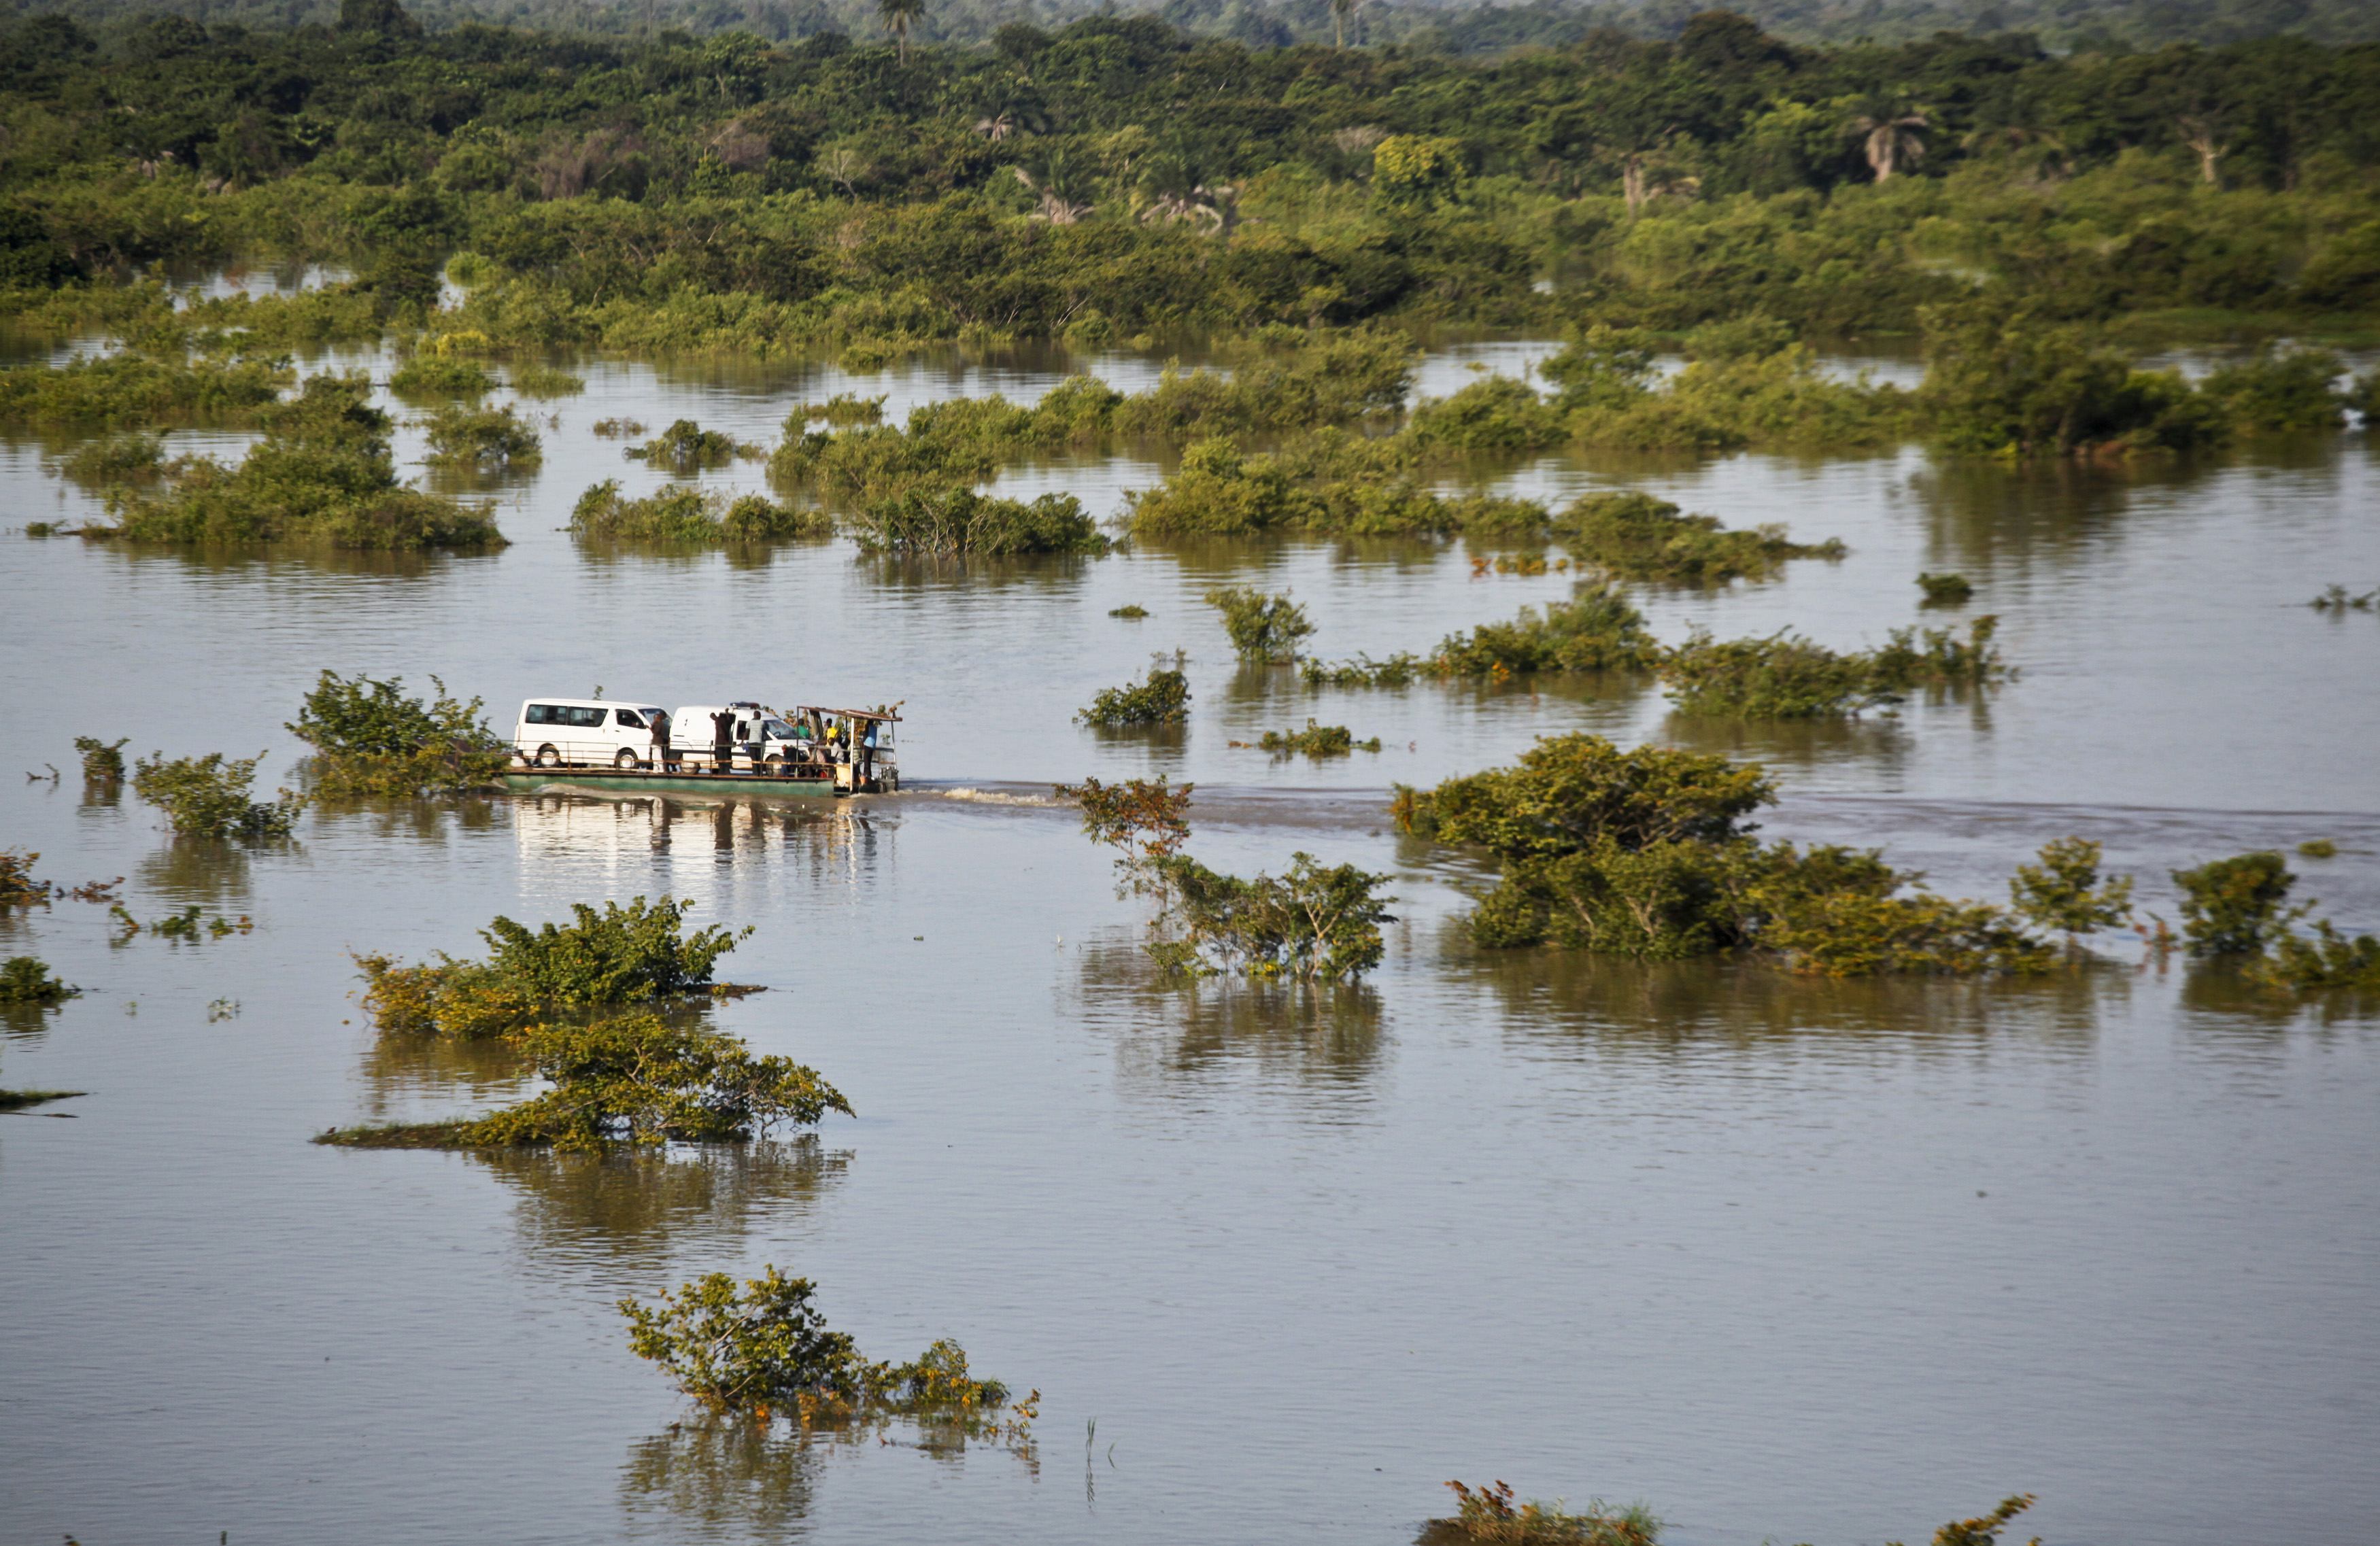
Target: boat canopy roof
<point>887,714</point>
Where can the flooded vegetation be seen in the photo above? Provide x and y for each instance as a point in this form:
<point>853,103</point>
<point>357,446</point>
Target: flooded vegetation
<point>1701,803</point>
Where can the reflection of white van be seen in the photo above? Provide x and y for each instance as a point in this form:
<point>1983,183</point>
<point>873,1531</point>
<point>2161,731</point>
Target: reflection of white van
<point>761,739</point>
<point>584,732</point>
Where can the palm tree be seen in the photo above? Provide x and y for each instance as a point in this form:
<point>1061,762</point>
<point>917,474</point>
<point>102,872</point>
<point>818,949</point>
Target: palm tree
<point>899,16</point>
<point>1341,12</point>
<point>1890,135</point>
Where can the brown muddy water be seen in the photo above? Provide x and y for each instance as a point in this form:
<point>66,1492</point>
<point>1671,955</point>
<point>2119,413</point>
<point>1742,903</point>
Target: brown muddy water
<point>1787,1261</point>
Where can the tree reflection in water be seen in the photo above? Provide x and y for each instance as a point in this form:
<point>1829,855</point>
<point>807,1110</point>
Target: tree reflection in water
<point>632,1213</point>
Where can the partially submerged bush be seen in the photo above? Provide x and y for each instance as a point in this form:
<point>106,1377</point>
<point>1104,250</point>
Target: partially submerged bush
<point>2010,381</point>
<point>1262,628</point>
<point>1636,537</point>
<point>691,517</point>
<point>633,1079</point>
<point>103,761</point>
<point>1491,1514</point>
<point>321,474</point>
<point>427,377</point>
<point>1316,741</point>
<point>954,522</point>
<point>2328,959</point>
<point>1597,629</point>
<point>622,955</point>
<point>482,439</point>
<point>1329,483</point>
<point>546,380</point>
<point>2279,391</point>
<point>18,886</point>
<point>686,447</point>
<point>1494,412</point>
<point>1945,590</point>
<point>2234,907</point>
<point>1145,817</point>
<point>28,979</point>
<point>1397,671</point>
<point>2062,890</point>
<point>1784,676</point>
<point>764,1349</point>
<point>1162,699</point>
<point>208,796</point>
<point>1313,922</point>
<point>139,391</point>
<point>117,459</point>
<point>369,737</point>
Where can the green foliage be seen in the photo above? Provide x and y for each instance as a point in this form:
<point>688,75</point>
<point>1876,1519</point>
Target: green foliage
<point>2010,381</point>
<point>1784,676</point>
<point>103,761</point>
<point>2063,891</point>
<point>690,517</point>
<point>1984,1531</point>
<point>1262,628</point>
<point>2279,391</point>
<point>956,521</point>
<point>28,979</point>
<point>369,737</point>
<point>1162,699</point>
<point>18,886</point>
<point>2234,907</point>
<point>130,458</point>
<point>427,377</point>
<point>765,1348</point>
<point>622,955</point>
<point>1314,922</point>
<point>1328,483</point>
<point>1596,630</point>
<point>1145,817</point>
<point>1397,671</point>
<point>1854,932</point>
<point>1491,1514</point>
<point>685,448</point>
<point>1572,791</point>
<point>482,439</point>
<point>545,380</point>
<point>1316,741</point>
<point>2328,959</point>
<point>138,390</point>
<point>320,474</point>
<point>2318,848</point>
<point>208,796</point>
<point>1637,537</point>
<point>1131,611</point>
<point>1945,590</point>
<point>1494,412</point>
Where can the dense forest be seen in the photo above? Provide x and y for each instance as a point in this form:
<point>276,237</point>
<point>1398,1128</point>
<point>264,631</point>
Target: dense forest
<point>1117,175</point>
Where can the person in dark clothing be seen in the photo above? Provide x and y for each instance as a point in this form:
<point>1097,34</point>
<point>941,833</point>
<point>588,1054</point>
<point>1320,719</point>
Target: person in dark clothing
<point>665,755</point>
<point>722,741</point>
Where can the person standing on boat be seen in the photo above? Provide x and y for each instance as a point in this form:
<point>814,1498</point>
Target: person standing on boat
<point>722,741</point>
<point>665,755</point>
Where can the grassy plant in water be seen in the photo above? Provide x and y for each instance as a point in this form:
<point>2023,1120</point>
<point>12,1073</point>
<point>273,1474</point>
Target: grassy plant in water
<point>1492,1513</point>
<point>631,954</point>
<point>207,797</point>
<point>426,378</point>
<point>1397,671</point>
<point>370,738</point>
<point>1314,740</point>
<point>140,392</point>
<point>1162,699</point>
<point>950,523</point>
<point>1636,537</point>
<point>118,459</point>
<point>546,381</point>
<point>28,979</point>
<point>1262,628</point>
<point>762,1347</point>
<point>482,439</point>
<point>1945,590</point>
<point>1597,629</point>
<point>1784,676</point>
<point>1130,611</point>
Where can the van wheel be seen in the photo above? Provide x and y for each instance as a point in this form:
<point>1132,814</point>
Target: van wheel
<point>548,758</point>
<point>627,759</point>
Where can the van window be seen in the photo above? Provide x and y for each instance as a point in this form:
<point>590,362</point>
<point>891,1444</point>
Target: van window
<point>629,718</point>
<point>539,714</point>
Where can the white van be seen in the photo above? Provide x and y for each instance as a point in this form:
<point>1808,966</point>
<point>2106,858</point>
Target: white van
<point>585,732</point>
<point>763,739</point>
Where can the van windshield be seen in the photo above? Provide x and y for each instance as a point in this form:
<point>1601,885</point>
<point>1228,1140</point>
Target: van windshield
<point>776,730</point>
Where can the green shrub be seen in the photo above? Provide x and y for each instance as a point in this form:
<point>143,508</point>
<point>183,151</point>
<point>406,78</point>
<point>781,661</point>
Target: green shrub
<point>127,458</point>
<point>545,380</point>
<point>103,761</point>
<point>1490,1514</point>
<point>1597,629</point>
<point>1572,791</point>
<point>18,886</point>
<point>2329,959</point>
<point>1262,628</point>
<point>1785,676</point>
<point>26,980</point>
<point>2277,390</point>
<point>685,448</point>
<point>1945,590</point>
<point>320,474</point>
<point>482,439</point>
<point>1726,403</point>
<point>426,377</point>
<point>1397,671</point>
<point>1316,741</point>
<point>1494,412</point>
<point>2318,848</point>
<point>2063,891</point>
<point>208,796</point>
<point>1636,537</point>
<point>1162,699</point>
<point>840,410</point>
<point>951,522</point>
<point>370,738</point>
<point>2234,907</point>
<point>765,1348</point>
<point>690,517</point>
<point>1855,933</point>
<point>136,390</point>
<point>2003,380</point>
<point>1131,611</point>
<point>1314,922</point>
<point>1323,483</point>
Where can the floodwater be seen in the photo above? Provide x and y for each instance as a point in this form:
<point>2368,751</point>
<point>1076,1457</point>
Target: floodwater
<point>1786,1261</point>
